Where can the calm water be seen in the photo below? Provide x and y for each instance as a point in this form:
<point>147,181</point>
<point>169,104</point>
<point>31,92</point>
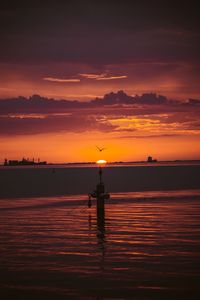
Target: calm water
<point>109,164</point>
<point>148,247</point>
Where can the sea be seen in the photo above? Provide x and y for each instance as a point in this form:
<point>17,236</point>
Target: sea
<point>146,244</point>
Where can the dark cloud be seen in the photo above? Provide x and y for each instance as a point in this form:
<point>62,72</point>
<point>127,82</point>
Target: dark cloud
<point>150,43</point>
<point>38,104</point>
<point>115,112</point>
<point>114,14</point>
<point>102,49</point>
<point>99,32</point>
<point>19,125</point>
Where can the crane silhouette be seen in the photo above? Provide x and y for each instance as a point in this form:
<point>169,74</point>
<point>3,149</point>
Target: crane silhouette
<point>100,149</point>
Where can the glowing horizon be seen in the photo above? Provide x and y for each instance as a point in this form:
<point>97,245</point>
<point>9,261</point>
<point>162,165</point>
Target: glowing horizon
<point>129,132</point>
<point>101,162</point>
<point>78,51</point>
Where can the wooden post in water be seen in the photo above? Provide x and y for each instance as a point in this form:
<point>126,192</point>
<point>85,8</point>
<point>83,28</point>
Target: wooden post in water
<point>100,196</point>
<point>100,200</point>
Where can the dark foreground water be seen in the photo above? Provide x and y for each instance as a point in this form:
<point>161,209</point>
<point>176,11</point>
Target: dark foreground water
<point>148,247</point>
<point>49,181</point>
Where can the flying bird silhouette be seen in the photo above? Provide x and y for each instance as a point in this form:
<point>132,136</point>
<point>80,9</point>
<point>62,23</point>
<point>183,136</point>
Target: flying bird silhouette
<point>100,149</point>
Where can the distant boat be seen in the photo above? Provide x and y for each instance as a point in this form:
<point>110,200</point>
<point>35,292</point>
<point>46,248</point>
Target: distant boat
<point>151,160</point>
<point>23,162</point>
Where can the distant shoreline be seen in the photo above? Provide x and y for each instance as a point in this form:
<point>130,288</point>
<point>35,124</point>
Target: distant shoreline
<point>110,163</point>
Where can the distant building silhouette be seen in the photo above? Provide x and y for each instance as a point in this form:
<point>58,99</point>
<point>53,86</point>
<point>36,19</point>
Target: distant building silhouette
<point>150,159</point>
<point>23,162</point>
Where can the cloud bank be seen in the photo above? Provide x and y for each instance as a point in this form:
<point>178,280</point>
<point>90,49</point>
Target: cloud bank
<point>148,115</point>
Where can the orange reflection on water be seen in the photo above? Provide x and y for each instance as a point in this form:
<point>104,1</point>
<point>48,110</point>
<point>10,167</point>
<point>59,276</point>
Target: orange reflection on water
<point>144,240</point>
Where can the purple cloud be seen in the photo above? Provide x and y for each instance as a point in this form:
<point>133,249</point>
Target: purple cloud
<point>115,112</point>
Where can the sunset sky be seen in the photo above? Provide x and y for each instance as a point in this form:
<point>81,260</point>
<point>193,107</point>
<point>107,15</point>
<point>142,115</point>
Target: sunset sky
<point>82,50</point>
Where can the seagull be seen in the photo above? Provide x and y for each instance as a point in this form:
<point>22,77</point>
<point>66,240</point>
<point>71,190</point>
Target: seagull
<point>100,149</point>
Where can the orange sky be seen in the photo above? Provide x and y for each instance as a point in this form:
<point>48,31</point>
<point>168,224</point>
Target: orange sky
<point>169,144</point>
<point>129,132</point>
<point>80,50</point>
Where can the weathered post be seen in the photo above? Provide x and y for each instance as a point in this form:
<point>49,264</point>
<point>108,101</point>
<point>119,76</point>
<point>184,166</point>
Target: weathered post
<point>100,199</point>
<point>100,196</point>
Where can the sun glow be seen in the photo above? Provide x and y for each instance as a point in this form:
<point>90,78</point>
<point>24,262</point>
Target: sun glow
<point>101,162</point>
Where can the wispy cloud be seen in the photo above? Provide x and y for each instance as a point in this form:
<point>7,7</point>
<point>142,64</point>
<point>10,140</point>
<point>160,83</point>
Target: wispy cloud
<point>102,76</point>
<point>61,80</point>
<point>112,77</point>
<point>77,123</point>
<point>150,136</point>
<point>92,76</point>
